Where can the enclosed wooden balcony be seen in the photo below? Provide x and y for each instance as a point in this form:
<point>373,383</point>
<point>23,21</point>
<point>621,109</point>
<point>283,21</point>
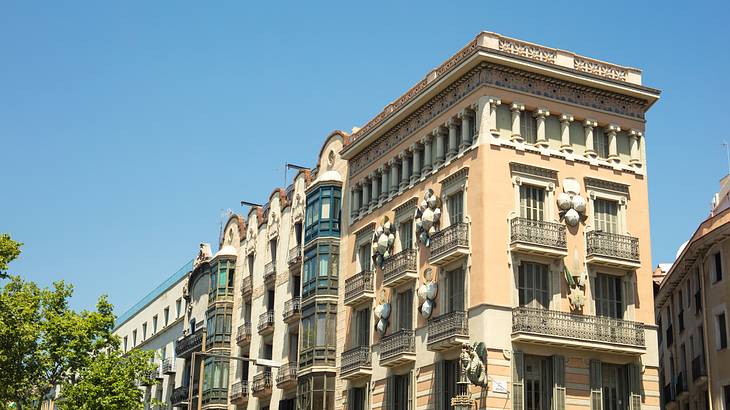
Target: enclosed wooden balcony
<point>400,268</point>
<point>189,344</point>
<point>538,237</point>
<point>398,348</point>
<point>550,327</point>
<point>450,244</point>
<point>266,323</point>
<point>262,384</point>
<point>356,363</point>
<point>243,335</point>
<point>293,310</point>
<point>270,274</point>
<point>246,286</point>
<point>294,260</point>
<point>611,249</point>
<point>359,288</point>
<point>448,330</point>
<point>286,378</point>
<point>239,393</point>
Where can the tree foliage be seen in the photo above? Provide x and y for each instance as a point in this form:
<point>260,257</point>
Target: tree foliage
<point>9,250</point>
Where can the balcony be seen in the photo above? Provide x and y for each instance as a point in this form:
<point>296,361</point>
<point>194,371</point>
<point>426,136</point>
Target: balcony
<point>286,378</point>
<point>293,310</point>
<point>239,393</point>
<point>168,366</point>
<point>359,288</point>
<point>398,348</point>
<point>189,344</point>
<point>243,336</point>
<point>448,330</point>
<point>266,323</point>
<point>262,384</point>
<point>246,286</point>
<point>270,274</point>
<point>179,396</point>
<point>681,386</point>
<point>538,237</point>
<point>356,363</point>
<point>215,396</point>
<point>450,244</point>
<point>614,250</point>
<point>699,373</point>
<point>550,327</point>
<point>400,268</point>
<point>295,260</point>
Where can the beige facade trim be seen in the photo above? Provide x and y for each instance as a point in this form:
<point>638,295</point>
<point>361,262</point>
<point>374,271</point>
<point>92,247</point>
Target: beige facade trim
<point>406,208</point>
<point>365,232</point>
<point>531,170</point>
<point>457,178</point>
<point>602,184</point>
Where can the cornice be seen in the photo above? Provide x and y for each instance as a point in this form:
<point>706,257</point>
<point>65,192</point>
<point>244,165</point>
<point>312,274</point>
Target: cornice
<point>406,207</point>
<point>519,168</point>
<point>455,178</point>
<point>606,185</point>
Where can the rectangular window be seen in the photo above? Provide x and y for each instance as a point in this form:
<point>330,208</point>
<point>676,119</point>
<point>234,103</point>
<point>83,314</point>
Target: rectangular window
<point>615,389</point>
<point>608,296</point>
<point>250,261</point>
<point>272,249</point>
<point>455,290</point>
<point>538,383</point>
<point>364,257</point>
<point>178,304</point>
<point>726,392</point>
<point>605,213</point>
<point>154,324</point>
<point>718,267</point>
<point>125,344</point>
<point>533,285</point>
<point>528,127</point>
<point>600,142</point>
<point>166,316</point>
<point>358,399</point>
<point>451,376</point>
<point>721,331</point>
<point>405,310</point>
<point>532,202</point>
<point>362,328</point>
<point>401,392</point>
<point>144,331</point>
<point>134,338</point>
<point>456,207</point>
<point>405,232</point>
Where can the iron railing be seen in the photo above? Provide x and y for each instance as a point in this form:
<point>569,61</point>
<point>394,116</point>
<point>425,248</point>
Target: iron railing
<point>292,307</point>
<point>244,333</point>
<point>613,245</point>
<point>400,342</point>
<point>239,391</point>
<point>189,343</point>
<point>266,320</point>
<point>295,255</point>
<point>698,368</point>
<point>262,382</point>
<point>538,233</point>
<point>356,358</point>
<point>358,284</point>
<point>449,239</point>
<point>179,396</point>
<point>399,264</point>
<point>448,325</point>
<point>287,373</point>
<point>168,365</point>
<point>591,328</point>
<point>270,273</point>
<point>246,285</point>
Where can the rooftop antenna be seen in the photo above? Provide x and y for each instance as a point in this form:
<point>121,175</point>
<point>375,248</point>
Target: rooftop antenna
<point>727,154</point>
<point>288,166</point>
<point>225,213</point>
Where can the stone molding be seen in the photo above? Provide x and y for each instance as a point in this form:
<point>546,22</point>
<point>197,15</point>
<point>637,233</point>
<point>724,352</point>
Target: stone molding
<point>602,184</point>
<point>365,231</point>
<point>528,50</point>
<point>524,169</point>
<point>455,178</point>
<point>405,208</point>
<point>590,66</point>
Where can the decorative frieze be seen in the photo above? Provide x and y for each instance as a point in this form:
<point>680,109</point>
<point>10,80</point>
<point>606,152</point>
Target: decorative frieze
<point>406,208</point>
<point>456,178</point>
<point>606,185</point>
<point>600,68</point>
<point>531,51</point>
<point>519,168</point>
<point>365,232</point>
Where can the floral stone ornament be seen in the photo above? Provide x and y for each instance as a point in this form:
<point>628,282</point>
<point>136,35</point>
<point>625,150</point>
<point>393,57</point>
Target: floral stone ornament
<point>382,313</point>
<point>383,240</point>
<point>427,294</point>
<point>428,215</point>
<point>576,285</point>
<point>572,206</point>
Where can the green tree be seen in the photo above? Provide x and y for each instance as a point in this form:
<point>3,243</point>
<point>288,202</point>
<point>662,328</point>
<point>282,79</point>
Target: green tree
<point>9,250</point>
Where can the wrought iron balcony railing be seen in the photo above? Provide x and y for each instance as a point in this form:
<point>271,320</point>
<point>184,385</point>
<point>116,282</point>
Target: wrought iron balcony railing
<point>239,391</point>
<point>262,382</point>
<point>447,326</point>
<point>179,396</point>
<point>287,374</point>
<point>168,366</point>
<point>600,329</point>
<point>612,245</point>
<point>246,286</point>
<point>398,266</point>
<point>270,273</point>
<point>295,255</point>
<point>698,368</point>
<point>396,344</point>
<point>189,344</point>
<point>538,233</point>
<point>355,359</point>
<point>358,285</point>
<point>266,321</point>
<point>292,308</point>
<point>450,239</point>
<point>243,335</point>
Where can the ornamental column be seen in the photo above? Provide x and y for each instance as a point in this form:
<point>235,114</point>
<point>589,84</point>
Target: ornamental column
<point>439,134</point>
<point>404,177</point>
<point>516,109</point>
<point>565,120</point>
<point>493,103</point>
<point>588,126</point>
<point>416,171</point>
<point>611,131</point>
<point>540,115</point>
<point>373,189</point>
<point>355,207</point>
<point>426,141</point>
<point>635,136</point>
<point>393,177</point>
<point>466,119</point>
<point>452,124</point>
<point>383,182</point>
<point>365,196</point>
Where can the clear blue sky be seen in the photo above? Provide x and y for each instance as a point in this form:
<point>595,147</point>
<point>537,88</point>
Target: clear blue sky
<point>126,127</point>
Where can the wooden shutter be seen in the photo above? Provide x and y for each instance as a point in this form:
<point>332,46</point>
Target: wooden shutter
<point>411,383</point>
<point>558,382</point>
<point>596,385</point>
<point>518,373</point>
<point>438,385</point>
<point>634,372</point>
<point>389,396</point>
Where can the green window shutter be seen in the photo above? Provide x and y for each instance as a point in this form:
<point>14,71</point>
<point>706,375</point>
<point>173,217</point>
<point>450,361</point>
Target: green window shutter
<point>559,382</point>
<point>634,371</point>
<point>411,382</point>
<point>518,373</point>
<point>438,389</point>
<point>388,399</point>
<point>596,385</point>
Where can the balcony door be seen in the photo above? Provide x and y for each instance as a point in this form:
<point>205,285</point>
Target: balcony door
<point>608,296</point>
<point>405,310</point>
<point>455,290</point>
<point>365,257</point>
<point>534,285</point>
<point>538,383</point>
<point>405,232</point>
<point>532,202</point>
<point>456,207</point>
<point>615,391</point>
<point>605,215</point>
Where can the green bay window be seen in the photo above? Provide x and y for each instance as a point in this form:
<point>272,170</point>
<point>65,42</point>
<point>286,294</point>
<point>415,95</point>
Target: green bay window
<point>318,335</point>
<point>320,270</point>
<point>215,381</point>
<point>316,392</point>
<point>323,213</point>
<point>221,280</point>
<point>219,326</point>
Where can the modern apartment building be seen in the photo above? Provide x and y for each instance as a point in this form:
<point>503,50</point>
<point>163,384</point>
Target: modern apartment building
<point>692,315</point>
<point>502,200</point>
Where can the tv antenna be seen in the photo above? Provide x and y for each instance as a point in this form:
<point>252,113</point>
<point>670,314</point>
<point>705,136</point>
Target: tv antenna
<point>288,166</point>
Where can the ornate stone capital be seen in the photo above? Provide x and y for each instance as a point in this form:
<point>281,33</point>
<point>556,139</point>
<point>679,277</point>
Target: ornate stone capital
<point>590,123</point>
<point>494,101</point>
<point>466,112</point>
<point>415,147</point>
<point>612,129</point>
<point>453,122</point>
<point>382,169</point>
<point>373,175</point>
<point>636,134</point>
<point>566,118</point>
<point>517,107</point>
<point>427,139</point>
<point>438,131</point>
<point>541,112</point>
<point>393,162</point>
<point>403,155</point>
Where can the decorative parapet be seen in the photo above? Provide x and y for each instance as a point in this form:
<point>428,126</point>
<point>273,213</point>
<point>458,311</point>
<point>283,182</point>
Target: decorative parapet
<point>528,50</point>
<point>599,68</point>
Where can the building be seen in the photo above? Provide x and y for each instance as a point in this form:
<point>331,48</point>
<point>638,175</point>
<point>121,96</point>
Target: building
<point>692,315</point>
<point>155,323</point>
<point>503,200</point>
